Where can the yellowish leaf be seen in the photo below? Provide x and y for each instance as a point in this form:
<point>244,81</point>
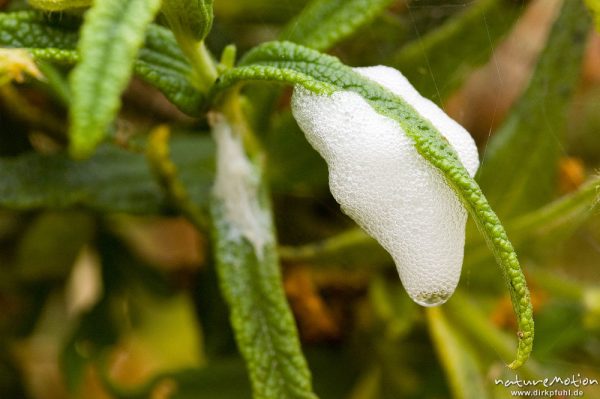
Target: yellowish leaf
<point>15,64</point>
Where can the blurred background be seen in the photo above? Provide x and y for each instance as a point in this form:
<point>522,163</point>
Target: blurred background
<point>109,297</point>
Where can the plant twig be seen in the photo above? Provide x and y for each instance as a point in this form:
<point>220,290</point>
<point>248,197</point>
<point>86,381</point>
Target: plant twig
<point>165,170</point>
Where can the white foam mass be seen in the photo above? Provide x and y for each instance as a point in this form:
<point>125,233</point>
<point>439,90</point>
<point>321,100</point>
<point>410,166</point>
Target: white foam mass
<point>386,186</point>
<point>237,186</point>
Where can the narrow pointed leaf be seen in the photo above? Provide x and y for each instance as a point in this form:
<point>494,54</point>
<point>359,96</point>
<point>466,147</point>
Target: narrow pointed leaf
<point>519,166</point>
<point>323,23</point>
<point>287,62</point>
<point>112,33</point>
<point>249,275</point>
<point>160,62</point>
<point>472,36</point>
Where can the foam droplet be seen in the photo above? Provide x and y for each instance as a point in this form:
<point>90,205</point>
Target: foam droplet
<point>387,187</point>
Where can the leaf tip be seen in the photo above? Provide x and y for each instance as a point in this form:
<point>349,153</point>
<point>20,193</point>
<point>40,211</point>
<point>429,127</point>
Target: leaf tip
<point>524,349</point>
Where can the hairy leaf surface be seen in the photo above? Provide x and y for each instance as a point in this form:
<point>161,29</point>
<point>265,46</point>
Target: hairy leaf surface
<point>112,33</point>
<point>160,62</point>
<point>248,268</point>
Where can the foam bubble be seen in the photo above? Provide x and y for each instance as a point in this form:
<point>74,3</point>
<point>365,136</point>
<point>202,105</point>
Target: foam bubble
<point>382,182</point>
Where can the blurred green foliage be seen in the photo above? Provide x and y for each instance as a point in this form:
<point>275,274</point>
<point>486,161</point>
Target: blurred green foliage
<point>97,303</point>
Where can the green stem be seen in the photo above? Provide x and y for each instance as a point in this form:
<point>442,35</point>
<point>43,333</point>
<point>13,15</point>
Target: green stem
<point>330,246</point>
<point>352,250</point>
<point>205,71</point>
<point>158,154</point>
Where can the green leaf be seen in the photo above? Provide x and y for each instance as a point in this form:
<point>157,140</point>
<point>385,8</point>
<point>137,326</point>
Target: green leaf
<point>55,55</point>
<point>160,63</point>
<point>250,279</point>
<point>59,5</point>
<point>287,62</point>
<point>272,73</point>
<point>33,29</point>
<point>325,22</point>
<point>112,33</point>
<point>519,167</point>
<point>113,180</point>
<point>457,357</point>
<point>189,18</point>
<point>433,69</point>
